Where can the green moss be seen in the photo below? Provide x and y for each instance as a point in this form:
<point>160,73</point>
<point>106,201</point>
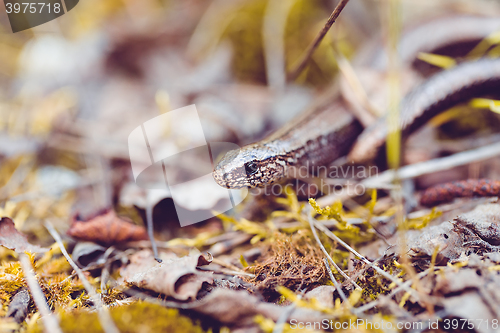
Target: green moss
<point>136,317</point>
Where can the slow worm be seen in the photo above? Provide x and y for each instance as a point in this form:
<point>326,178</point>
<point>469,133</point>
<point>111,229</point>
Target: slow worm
<point>330,131</point>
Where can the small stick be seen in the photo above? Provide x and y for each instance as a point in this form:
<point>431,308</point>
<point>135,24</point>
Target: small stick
<point>438,164</point>
<point>418,169</point>
<point>105,269</point>
<point>280,323</point>
<point>329,257</point>
<point>149,220</point>
<point>335,282</point>
<point>102,312</point>
<point>49,320</point>
<point>366,261</point>
<point>314,45</point>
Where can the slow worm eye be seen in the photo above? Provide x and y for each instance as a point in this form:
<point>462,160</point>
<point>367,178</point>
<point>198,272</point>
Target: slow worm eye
<point>250,168</point>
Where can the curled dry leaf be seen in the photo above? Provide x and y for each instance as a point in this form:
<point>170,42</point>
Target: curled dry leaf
<point>106,229</point>
<point>14,240</point>
<point>470,293</point>
<point>477,231</point>
<point>239,308</point>
<point>175,277</point>
<point>18,307</point>
<point>86,253</point>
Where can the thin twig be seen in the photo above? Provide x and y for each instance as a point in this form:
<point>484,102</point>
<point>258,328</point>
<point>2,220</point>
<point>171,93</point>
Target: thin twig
<point>415,170</point>
<point>102,312</point>
<point>362,110</point>
<point>366,261</point>
<point>149,220</point>
<point>335,282</point>
<point>328,255</point>
<point>438,164</point>
<point>308,53</point>
<point>283,318</point>
<point>105,269</point>
<point>48,318</point>
<point>236,270</point>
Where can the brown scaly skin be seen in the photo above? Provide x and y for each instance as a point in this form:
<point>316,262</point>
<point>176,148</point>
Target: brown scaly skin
<point>328,132</point>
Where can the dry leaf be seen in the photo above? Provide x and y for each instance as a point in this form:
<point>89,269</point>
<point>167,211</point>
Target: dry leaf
<point>176,277</point>
<point>106,229</point>
<point>14,240</point>
<point>239,308</point>
<point>474,232</point>
<point>323,294</point>
<point>470,293</point>
<point>18,307</point>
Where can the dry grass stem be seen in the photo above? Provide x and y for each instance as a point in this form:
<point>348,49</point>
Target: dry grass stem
<point>48,318</point>
<point>104,317</point>
<point>328,255</point>
<point>366,261</point>
<point>335,282</point>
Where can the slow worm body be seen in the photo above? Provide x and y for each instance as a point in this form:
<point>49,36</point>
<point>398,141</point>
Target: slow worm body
<point>328,132</point>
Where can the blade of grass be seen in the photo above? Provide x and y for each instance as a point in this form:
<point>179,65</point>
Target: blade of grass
<point>49,320</point>
<point>105,319</point>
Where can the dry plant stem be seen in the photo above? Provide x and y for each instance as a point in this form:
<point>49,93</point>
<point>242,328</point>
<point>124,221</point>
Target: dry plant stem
<point>419,169</point>
<point>363,270</point>
<point>235,270</point>
<point>314,45</point>
<point>438,164</point>
<point>48,318</point>
<point>105,269</point>
<point>367,115</point>
<point>328,255</point>
<point>149,218</point>
<point>280,323</point>
<point>366,261</point>
<point>335,282</point>
<point>105,319</point>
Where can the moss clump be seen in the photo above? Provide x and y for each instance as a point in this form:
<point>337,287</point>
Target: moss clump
<point>136,317</point>
<point>293,261</point>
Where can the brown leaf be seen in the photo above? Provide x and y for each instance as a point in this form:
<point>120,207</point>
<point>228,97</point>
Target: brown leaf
<point>476,231</point>
<point>14,240</point>
<point>470,292</point>
<point>106,229</point>
<point>176,277</point>
<point>239,308</point>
